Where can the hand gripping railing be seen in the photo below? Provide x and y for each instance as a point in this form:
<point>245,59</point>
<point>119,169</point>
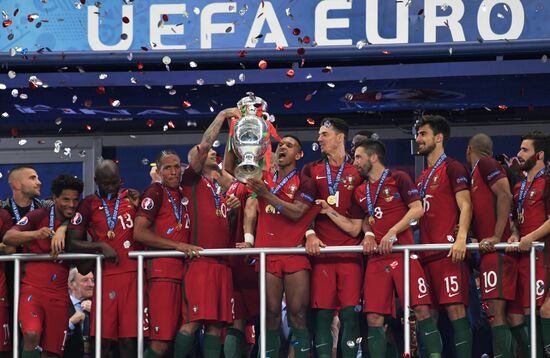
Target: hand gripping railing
<point>263,252</point>
<point>18,258</point>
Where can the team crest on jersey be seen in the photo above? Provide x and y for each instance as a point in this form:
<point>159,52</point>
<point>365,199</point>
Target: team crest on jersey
<point>531,196</point>
<point>387,193</point>
<point>435,182</point>
<point>348,182</point>
<point>147,204</point>
<point>77,219</point>
<point>24,221</point>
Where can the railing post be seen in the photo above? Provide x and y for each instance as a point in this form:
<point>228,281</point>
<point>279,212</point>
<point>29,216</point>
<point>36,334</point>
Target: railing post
<point>16,291</point>
<point>262,306</point>
<point>533,300</point>
<point>406,300</point>
<point>98,305</point>
<point>140,307</point>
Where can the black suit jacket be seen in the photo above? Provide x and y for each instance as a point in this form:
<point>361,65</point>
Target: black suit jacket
<point>74,346</point>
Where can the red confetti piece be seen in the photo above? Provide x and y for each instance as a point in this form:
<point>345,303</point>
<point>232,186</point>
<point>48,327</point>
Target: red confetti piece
<point>394,264</point>
<point>88,127</point>
<point>83,2</point>
<point>7,23</point>
<point>290,73</point>
<point>502,107</point>
<point>125,20</point>
<point>14,132</point>
<point>164,17</point>
<point>288,104</point>
<point>150,123</point>
<point>171,124</point>
<point>306,39</point>
<point>280,48</point>
<point>88,103</point>
<point>301,51</point>
<point>31,17</point>
<point>296,31</point>
<point>308,98</point>
<point>406,355</point>
<point>262,64</point>
<point>386,52</point>
<point>140,66</point>
<point>33,85</point>
<point>186,104</point>
<point>310,121</point>
<point>484,306</point>
<point>100,89</point>
<point>242,53</point>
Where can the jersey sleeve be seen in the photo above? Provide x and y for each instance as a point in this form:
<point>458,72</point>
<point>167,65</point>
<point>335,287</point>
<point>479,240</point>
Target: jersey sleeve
<point>31,221</point>
<point>150,202</point>
<point>490,170</point>
<point>307,190</point>
<point>5,222</point>
<point>546,194</point>
<point>407,189</point>
<point>83,215</point>
<point>189,176</point>
<point>458,176</point>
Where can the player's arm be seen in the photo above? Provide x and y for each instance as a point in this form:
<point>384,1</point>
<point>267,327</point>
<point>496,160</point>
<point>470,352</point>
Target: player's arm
<point>350,226</point>
<point>501,190</point>
<point>198,154</point>
<point>24,232</point>
<point>539,233</point>
<point>464,203</point>
<point>249,223</point>
<point>415,212</point>
<point>143,233</point>
<point>6,224</point>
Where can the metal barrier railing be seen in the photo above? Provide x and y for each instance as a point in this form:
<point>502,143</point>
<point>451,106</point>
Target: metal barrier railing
<point>263,252</point>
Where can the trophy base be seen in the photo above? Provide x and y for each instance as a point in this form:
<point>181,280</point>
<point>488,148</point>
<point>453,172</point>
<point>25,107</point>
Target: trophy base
<point>244,172</point>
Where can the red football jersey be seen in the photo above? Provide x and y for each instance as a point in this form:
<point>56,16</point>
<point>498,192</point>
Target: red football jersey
<point>6,223</point>
<point>536,206</point>
<point>209,225</point>
<point>441,213</point>
<point>156,207</point>
<point>326,230</point>
<point>237,230</point>
<point>274,229</point>
<point>49,276</point>
<point>487,172</point>
<point>90,217</point>
<point>397,192</point>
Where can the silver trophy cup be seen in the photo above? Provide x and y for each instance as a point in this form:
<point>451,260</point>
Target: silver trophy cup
<point>251,137</point>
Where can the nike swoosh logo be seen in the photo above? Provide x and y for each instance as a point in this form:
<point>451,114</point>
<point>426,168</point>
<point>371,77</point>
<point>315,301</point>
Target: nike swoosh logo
<point>304,349</point>
<point>490,290</point>
<point>362,199</point>
<point>428,333</point>
<point>454,294</point>
<point>318,177</point>
<point>422,296</point>
<point>321,345</point>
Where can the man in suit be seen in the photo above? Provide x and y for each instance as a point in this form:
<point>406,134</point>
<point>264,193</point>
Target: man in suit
<point>81,289</point>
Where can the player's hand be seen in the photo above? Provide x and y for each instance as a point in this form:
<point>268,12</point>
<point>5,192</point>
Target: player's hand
<point>153,173</point>
<point>109,253</point>
<point>189,250</point>
<point>369,245</point>
<point>525,244</point>
<point>313,245</point>
<point>232,202</point>
<point>133,197</point>
<point>86,305</point>
<point>325,208</point>
<point>229,114</point>
<point>58,242</point>
<point>257,186</point>
<point>386,243</point>
<point>77,317</point>
<point>457,252</point>
<point>488,244</point>
<point>513,239</point>
<point>43,233</point>
<point>243,245</point>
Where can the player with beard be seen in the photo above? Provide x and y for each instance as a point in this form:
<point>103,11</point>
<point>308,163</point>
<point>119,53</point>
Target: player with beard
<point>492,203</point>
<point>532,223</point>
<point>43,306</point>
<point>162,222</point>
<point>108,217</point>
<point>391,202</point>
<point>444,189</point>
<point>335,278</point>
<point>284,202</point>
<point>208,284</point>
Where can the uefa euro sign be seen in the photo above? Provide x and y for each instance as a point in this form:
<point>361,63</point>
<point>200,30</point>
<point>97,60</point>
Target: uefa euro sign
<point>251,137</point>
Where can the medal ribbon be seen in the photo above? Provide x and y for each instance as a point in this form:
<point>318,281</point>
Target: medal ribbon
<point>16,210</point>
<point>51,224</point>
<point>370,202</point>
<point>283,182</point>
<point>178,211</point>
<point>425,182</point>
<point>111,219</point>
<point>473,170</point>
<point>217,196</point>
<point>333,186</point>
<point>523,192</point>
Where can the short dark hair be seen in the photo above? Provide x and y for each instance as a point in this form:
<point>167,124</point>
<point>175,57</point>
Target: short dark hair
<point>18,168</point>
<point>374,146</point>
<point>66,181</point>
<point>296,139</point>
<point>437,123</point>
<point>541,141</point>
<point>164,153</point>
<point>338,124</point>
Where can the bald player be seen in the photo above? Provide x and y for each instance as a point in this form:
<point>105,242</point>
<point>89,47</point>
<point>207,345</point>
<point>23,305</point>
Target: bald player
<point>491,208</point>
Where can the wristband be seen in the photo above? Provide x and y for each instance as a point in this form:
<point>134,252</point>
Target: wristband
<point>249,238</point>
<point>369,233</point>
<point>310,232</point>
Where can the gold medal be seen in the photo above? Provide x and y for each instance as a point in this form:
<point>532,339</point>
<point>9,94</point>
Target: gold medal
<point>520,216</point>
<point>178,227</point>
<point>371,220</point>
<point>331,200</point>
<point>111,234</point>
<point>218,212</point>
<point>270,209</point>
